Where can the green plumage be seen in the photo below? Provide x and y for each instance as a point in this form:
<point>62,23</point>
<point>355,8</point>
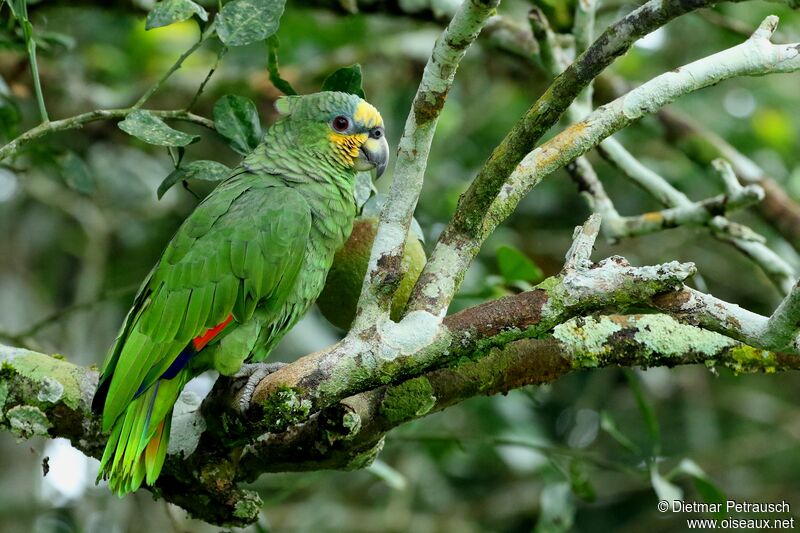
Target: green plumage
<point>258,249</point>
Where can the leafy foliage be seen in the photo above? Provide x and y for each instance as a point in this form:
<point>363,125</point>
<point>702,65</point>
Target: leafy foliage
<point>197,170</point>
<point>236,119</point>
<point>149,128</point>
<point>516,266</point>
<point>168,12</point>
<point>243,22</point>
<point>346,80</point>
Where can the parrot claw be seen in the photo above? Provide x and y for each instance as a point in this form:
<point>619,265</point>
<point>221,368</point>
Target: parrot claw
<point>254,372</point>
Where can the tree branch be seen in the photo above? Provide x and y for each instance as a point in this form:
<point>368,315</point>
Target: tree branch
<point>697,214</point>
<point>615,40</point>
<point>781,329</point>
<point>332,409</point>
<point>45,396</point>
<point>740,237</point>
<point>384,271</point>
<point>78,121</point>
<point>456,248</point>
<point>778,209</point>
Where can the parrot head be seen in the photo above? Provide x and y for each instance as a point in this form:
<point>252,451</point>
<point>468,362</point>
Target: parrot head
<point>340,127</point>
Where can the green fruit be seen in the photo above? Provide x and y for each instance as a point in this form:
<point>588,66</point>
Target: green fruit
<point>343,285</point>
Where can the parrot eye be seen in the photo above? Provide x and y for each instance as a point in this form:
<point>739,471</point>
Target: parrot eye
<point>340,123</point>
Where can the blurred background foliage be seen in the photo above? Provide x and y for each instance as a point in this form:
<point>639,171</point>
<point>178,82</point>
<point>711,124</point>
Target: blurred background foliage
<point>80,226</point>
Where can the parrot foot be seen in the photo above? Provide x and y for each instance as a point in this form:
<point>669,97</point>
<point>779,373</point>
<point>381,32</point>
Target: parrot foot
<point>254,372</point>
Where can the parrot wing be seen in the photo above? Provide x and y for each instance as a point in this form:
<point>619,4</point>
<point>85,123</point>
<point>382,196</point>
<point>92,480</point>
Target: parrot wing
<point>242,246</point>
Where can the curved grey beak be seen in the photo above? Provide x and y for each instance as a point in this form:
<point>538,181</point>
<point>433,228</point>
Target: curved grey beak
<point>374,153</point>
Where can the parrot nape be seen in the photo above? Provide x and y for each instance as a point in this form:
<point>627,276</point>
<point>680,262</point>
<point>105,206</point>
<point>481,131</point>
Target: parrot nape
<point>238,274</point>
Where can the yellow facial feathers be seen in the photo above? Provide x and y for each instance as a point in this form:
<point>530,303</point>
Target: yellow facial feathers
<point>367,116</point>
<point>347,145</point>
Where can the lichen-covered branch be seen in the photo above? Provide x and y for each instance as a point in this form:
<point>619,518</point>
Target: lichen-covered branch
<point>420,342</point>
<point>740,237</point>
<point>641,175</point>
<point>384,271</point>
<point>697,214</point>
<point>782,327</point>
<point>46,396</point>
<point>777,332</point>
<point>545,112</point>
<point>454,251</point>
<point>332,409</point>
<point>347,434</point>
<point>701,145</point>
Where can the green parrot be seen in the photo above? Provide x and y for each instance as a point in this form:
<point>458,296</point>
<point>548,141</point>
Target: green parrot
<point>238,274</point>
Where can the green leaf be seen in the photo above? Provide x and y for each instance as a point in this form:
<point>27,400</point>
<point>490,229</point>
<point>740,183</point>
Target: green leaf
<point>388,475</point>
<point>19,9</point>
<point>153,130</point>
<point>198,170</point>
<point>608,425</point>
<point>205,170</point>
<point>664,489</point>
<point>76,174</point>
<point>579,481</point>
<point>272,66</point>
<point>705,487</point>
<point>516,266</point>
<point>171,11</point>
<point>54,42</point>
<point>556,509</point>
<point>172,178</point>
<point>243,22</point>
<point>646,409</point>
<point>236,119</point>
<point>346,80</point>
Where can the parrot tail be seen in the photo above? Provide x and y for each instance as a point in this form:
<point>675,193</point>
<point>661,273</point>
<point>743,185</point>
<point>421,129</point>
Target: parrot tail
<point>137,446</point>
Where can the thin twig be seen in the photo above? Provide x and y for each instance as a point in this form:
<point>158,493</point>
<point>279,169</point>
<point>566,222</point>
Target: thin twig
<point>583,238</point>
<point>459,244</point>
<point>30,43</point>
<point>208,32</point>
<point>211,72</point>
<point>696,214</point>
<point>728,176</point>
<point>781,329</point>
<point>78,121</point>
<point>740,237</point>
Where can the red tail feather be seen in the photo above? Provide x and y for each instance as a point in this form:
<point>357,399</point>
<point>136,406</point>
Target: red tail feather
<point>201,340</point>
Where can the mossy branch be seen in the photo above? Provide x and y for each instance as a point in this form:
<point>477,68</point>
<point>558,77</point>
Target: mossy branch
<point>333,409</point>
<point>46,396</point>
